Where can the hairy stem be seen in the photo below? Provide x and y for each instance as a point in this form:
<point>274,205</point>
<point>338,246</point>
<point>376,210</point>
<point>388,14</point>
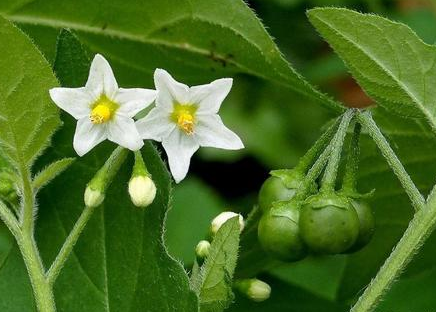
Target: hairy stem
<point>412,191</point>
<point>329,179</point>
<point>350,180</point>
<point>68,245</point>
<point>418,231</point>
<point>42,290</point>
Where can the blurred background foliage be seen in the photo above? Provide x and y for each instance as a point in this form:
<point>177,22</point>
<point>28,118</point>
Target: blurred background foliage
<point>277,127</point>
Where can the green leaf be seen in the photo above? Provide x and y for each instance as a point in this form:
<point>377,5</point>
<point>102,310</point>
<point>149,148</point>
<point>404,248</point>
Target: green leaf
<point>50,172</point>
<point>215,286</point>
<point>192,39</point>
<point>28,118</point>
<point>387,59</point>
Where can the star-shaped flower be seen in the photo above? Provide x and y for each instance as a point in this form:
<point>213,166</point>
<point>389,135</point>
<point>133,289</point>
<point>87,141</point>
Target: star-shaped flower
<point>186,118</point>
<point>103,110</point>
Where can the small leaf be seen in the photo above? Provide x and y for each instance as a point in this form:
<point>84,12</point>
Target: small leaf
<point>392,64</point>
<point>50,172</point>
<point>215,287</point>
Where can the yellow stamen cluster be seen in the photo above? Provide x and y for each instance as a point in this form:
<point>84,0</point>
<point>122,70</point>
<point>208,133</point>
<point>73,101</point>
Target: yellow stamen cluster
<point>103,110</point>
<point>184,116</point>
<point>100,114</point>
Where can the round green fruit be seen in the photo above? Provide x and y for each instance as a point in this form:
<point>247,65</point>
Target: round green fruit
<point>279,233</point>
<point>366,224</point>
<point>328,223</point>
<point>279,189</point>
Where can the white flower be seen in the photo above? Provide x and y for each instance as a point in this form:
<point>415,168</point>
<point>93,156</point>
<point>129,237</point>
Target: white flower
<point>186,118</point>
<point>103,110</point>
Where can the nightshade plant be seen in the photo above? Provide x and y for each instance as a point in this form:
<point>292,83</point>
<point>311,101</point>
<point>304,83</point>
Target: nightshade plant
<point>87,233</point>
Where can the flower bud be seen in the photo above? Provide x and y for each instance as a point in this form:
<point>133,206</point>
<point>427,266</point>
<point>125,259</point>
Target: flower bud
<point>222,218</point>
<point>254,289</point>
<point>142,190</point>
<point>202,249</point>
<point>93,198</point>
<point>96,188</point>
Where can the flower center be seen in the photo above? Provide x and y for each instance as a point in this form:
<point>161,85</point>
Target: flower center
<point>100,114</point>
<point>184,116</point>
<point>102,110</point>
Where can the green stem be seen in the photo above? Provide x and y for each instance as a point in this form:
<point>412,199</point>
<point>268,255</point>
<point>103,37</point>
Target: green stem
<point>412,191</point>
<point>329,178</point>
<point>68,245</point>
<point>28,200</point>
<point>42,290</point>
<point>417,232</point>
<point>9,219</point>
<point>350,180</point>
<point>102,179</point>
<point>314,152</point>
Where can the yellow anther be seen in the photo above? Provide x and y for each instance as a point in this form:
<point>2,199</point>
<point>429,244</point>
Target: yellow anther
<point>185,120</point>
<point>100,114</point>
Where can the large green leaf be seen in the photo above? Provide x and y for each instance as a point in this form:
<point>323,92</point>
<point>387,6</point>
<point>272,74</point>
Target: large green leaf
<point>27,117</point>
<point>388,59</point>
<point>193,39</point>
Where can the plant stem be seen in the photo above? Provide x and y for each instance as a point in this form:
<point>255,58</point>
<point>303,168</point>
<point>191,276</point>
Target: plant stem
<point>42,290</point>
<point>417,232</point>
<point>68,245</point>
<point>27,212</point>
<point>412,191</point>
<point>314,152</point>
<point>350,180</point>
<point>329,179</point>
<point>101,180</point>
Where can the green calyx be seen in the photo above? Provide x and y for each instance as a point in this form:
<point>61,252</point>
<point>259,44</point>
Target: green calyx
<point>326,199</point>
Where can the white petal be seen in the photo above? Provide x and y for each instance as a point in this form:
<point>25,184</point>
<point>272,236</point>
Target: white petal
<point>87,135</point>
<point>101,78</point>
<point>122,131</point>
<point>156,125</point>
<point>210,96</point>
<point>169,90</point>
<point>210,131</point>
<point>179,148</point>
<point>132,101</point>
<point>75,101</point>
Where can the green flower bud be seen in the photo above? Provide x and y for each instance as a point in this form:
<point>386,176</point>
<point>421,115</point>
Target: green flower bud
<point>222,218</point>
<point>142,190</point>
<point>254,289</point>
<point>202,250</point>
<point>93,198</point>
<point>96,188</point>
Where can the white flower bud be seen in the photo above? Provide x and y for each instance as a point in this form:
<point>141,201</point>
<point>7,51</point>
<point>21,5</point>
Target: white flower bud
<point>222,218</point>
<point>93,198</point>
<point>202,249</point>
<point>142,190</point>
<point>254,289</point>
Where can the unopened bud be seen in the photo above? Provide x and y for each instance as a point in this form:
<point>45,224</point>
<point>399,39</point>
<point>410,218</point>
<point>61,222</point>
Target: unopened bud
<point>202,249</point>
<point>142,190</point>
<point>96,188</point>
<point>93,198</point>
<point>223,218</point>
<point>254,289</point>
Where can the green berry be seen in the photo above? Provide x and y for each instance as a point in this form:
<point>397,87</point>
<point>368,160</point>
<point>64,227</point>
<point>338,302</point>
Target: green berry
<point>366,223</point>
<point>328,223</point>
<point>279,233</point>
<point>281,186</point>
